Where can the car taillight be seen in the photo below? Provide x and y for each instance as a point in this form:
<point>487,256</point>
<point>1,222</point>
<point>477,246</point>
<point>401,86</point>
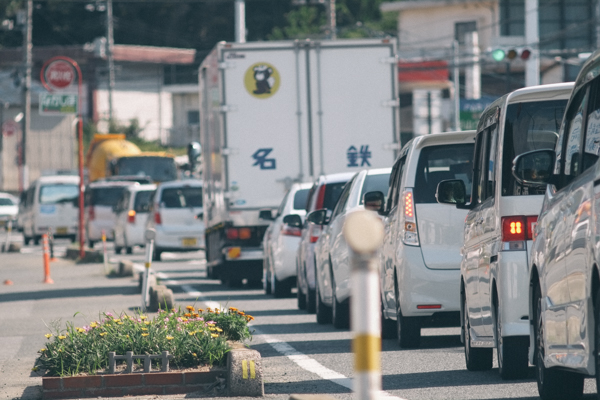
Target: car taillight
<point>238,233</point>
<point>314,233</point>
<point>131,216</point>
<point>232,233</point>
<point>245,233</point>
<point>411,235</point>
<point>320,198</point>
<point>518,228</point>
<point>91,213</point>
<point>157,218</point>
<point>287,230</point>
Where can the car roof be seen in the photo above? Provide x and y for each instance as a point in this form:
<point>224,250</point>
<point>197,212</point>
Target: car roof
<point>58,179</point>
<point>444,138</point>
<point>180,183</point>
<point>379,171</point>
<point>102,184</point>
<point>336,178</point>
<point>140,188</point>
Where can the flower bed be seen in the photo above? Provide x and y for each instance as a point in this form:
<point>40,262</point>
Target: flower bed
<point>194,337</point>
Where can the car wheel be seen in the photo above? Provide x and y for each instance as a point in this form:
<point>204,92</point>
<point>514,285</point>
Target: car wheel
<point>477,359</point>
<point>91,243</point>
<point>26,240</point>
<point>279,288</point>
<point>266,280</point>
<point>408,330</point>
<point>322,310</point>
<point>156,254</point>
<point>553,383</point>
<point>311,297</point>
<point>73,238</point>
<point>129,250</point>
<point>301,299</point>
<point>340,311</point>
<point>118,249</point>
<point>512,355</point>
<point>388,326</point>
<point>36,240</point>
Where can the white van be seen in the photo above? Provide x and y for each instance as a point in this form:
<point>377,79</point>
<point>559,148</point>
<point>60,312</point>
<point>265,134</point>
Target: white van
<point>494,282</point>
<point>51,205</point>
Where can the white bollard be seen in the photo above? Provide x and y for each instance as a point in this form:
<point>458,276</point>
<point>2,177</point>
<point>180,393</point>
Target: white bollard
<point>149,236</point>
<point>363,232</point>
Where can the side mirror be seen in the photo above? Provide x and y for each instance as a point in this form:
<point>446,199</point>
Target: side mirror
<point>374,201</point>
<point>451,191</point>
<point>266,214</point>
<point>293,220</point>
<point>318,217</point>
<point>534,168</point>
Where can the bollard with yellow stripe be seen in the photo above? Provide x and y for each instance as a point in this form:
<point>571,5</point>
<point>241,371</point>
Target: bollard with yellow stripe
<point>244,373</point>
<point>363,232</point>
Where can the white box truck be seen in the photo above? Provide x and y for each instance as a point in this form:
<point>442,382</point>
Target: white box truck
<point>274,113</point>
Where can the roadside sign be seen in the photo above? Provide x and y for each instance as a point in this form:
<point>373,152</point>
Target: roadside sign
<point>10,128</point>
<point>59,74</point>
<point>58,104</point>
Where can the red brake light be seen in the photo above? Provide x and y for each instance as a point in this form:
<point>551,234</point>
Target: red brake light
<point>92,213</point>
<point>232,233</point>
<point>320,198</point>
<point>131,216</point>
<point>531,223</point>
<point>287,230</point>
<point>245,233</point>
<point>157,219</point>
<point>409,209</point>
<point>517,228</point>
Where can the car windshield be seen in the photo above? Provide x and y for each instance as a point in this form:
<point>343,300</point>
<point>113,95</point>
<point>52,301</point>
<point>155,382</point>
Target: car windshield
<point>6,202</point>
<point>58,193</point>
<point>375,183</point>
<point>439,163</point>
<point>528,126</point>
<point>105,196</point>
<point>160,169</point>
<point>182,197</point>
<point>300,199</point>
<point>142,200</point>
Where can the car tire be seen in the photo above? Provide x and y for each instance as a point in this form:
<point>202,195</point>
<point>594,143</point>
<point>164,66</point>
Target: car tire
<point>26,239</point>
<point>36,240</point>
<point>118,249</point>
<point>301,299</point>
<point>552,383</point>
<point>156,254</point>
<point>266,282</point>
<point>91,244</point>
<point>322,310</point>
<point>340,311</point>
<point>388,327</point>
<point>512,355</point>
<point>311,297</point>
<point>280,289</point>
<point>476,358</point>
<point>408,329</point>
<point>73,238</point>
<point>129,250</point>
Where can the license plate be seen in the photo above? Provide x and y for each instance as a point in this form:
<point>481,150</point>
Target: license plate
<point>61,230</point>
<point>188,241</point>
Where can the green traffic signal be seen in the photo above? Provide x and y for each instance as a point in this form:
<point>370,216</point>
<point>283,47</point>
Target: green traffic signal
<point>498,55</point>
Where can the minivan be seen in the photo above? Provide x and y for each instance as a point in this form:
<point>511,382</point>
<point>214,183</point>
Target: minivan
<point>498,228</point>
<point>51,205</point>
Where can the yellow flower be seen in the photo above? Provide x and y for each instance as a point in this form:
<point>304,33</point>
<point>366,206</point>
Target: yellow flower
<point>195,355</point>
<point>212,329</point>
<point>103,333</point>
<point>120,323</point>
<point>200,310</point>
<point>217,312</point>
<point>219,329</point>
<point>34,369</point>
<point>147,322</point>
<point>214,335</point>
<point>144,329</point>
<point>93,325</point>
<point>191,308</point>
<point>249,317</point>
<point>187,315</point>
<point>169,337</point>
<point>80,330</point>
<point>117,320</point>
<point>145,334</point>
<point>127,336</point>
<point>42,350</point>
<point>143,317</point>
<point>184,319</point>
<point>210,324</point>
<point>192,333</point>
<point>61,337</point>
<point>195,315</point>
<point>233,309</point>
<point>48,335</point>
<point>241,313</point>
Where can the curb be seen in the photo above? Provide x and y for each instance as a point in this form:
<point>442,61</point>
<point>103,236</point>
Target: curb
<point>90,256</point>
<point>243,377</point>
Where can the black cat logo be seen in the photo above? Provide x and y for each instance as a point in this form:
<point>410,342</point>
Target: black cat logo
<point>263,79</point>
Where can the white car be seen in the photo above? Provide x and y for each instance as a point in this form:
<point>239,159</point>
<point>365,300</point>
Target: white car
<point>281,242</point>
<point>498,227</point>
<point>420,258</point>
<point>564,279</point>
<point>9,208</point>
<point>131,214</point>
<point>176,215</point>
<point>331,250</point>
<point>101,197</point>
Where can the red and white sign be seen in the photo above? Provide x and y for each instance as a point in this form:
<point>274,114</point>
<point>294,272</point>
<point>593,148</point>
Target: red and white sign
<point>59,74</point>
<point>10,128</point>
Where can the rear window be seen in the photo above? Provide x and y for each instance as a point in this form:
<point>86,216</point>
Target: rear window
<point>528,126</point>
<point>58,193</point>
<point>440,163</point>
<point>181,197</point>
<point>6,202</point>
<point>300,199</point>
<point>142,200</point>
<point>160,169</point>
<point>105,196</point>
<point>375,183</point>
<point>332,194</point>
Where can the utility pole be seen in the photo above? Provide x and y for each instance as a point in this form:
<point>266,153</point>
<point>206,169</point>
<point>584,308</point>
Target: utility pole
<point>532,65</point>
<point>26,93</point>
<point>332,18</point>
<point>455,78</point>
<point>240,21</point>
<point>473,70</point>
<point>110,42</point>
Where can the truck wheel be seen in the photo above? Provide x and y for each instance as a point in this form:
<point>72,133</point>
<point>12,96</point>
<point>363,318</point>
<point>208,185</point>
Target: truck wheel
<point>552,383</point>
<point>477,359</point>
<point>512,354</point>
<point>322,310</point>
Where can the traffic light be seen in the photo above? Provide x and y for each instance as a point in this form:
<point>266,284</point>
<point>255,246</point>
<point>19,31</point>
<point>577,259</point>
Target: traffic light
<point>511,54</point>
